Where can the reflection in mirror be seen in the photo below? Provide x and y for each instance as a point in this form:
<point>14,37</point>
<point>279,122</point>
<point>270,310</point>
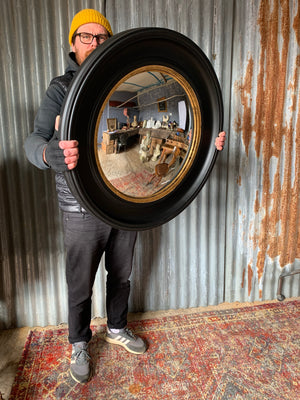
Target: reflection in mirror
<point>144,133</point>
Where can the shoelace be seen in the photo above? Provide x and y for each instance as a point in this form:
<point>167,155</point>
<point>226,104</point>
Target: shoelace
<point>81,356</point>
<point>130,333</point>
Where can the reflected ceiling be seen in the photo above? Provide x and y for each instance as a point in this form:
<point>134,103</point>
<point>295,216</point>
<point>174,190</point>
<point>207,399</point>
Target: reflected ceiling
<point>146,80</point>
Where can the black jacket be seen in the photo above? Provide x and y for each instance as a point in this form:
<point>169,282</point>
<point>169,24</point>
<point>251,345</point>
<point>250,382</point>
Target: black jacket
<point>44,128</point>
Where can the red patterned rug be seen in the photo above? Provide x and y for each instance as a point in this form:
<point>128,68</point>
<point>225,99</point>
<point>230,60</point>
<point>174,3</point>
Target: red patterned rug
<point>137,184</point>
<point>134,184</point>
<point>247,353</point>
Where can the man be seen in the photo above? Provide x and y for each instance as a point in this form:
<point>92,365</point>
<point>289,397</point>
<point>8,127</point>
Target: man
<point>86,237</point>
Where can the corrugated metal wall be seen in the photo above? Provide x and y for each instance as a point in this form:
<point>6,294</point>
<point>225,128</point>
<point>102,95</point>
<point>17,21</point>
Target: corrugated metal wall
<point>239,234</point>
<point>263,202</point>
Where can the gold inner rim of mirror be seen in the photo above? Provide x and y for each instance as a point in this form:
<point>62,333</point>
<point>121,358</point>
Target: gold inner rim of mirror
<point>194,144</point>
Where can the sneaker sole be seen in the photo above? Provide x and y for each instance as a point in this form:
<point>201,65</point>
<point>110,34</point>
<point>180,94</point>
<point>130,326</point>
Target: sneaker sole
<point>78,381</point>
<point>114,341</point>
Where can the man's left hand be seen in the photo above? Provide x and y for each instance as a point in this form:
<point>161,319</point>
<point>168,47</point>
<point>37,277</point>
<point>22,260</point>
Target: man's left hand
<point>220,141</point>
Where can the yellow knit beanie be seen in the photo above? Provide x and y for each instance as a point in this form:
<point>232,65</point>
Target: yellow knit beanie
<point>88,16</point>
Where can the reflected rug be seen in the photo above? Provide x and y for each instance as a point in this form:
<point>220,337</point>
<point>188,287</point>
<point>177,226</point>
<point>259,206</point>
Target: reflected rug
<point>241,353</point>
<point>137,184</point>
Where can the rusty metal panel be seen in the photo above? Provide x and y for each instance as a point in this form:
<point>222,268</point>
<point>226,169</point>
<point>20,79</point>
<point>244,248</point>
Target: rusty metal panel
<point>262,225</point>
<point>237,236</point>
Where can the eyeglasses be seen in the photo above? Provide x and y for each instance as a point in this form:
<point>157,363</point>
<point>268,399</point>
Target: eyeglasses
<point>87,38</point>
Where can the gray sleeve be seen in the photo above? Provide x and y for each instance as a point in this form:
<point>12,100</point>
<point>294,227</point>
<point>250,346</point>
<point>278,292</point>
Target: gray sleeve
<point>44,124</point>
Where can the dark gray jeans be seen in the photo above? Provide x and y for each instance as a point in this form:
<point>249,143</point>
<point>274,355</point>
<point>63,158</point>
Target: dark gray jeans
<point>86,239</point>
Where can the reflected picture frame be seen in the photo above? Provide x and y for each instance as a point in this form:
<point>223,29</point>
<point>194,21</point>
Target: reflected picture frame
<point>111,124</point>
<point>162,104</point>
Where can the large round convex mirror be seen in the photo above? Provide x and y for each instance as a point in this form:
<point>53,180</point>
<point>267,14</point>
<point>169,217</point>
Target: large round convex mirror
<point>146,107</point>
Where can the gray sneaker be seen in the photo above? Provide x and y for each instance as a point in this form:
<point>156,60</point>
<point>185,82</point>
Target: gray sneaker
<point>126,339</point>
<point>80,367</point>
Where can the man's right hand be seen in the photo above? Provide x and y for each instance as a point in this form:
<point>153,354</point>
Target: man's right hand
<point>71,152</point>
<point>61,155</point>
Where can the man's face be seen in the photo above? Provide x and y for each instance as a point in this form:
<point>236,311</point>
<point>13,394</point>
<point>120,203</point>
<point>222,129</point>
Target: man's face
<point>81,50</point>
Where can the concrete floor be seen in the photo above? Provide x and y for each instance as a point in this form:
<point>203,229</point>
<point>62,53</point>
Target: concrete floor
<point>11,346</point>
<point>12,341</point>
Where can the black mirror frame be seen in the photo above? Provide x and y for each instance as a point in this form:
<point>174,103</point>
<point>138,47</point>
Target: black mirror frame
<point>101,71</point>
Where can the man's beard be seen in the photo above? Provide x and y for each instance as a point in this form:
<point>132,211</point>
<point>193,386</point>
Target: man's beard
<point>86,54</point>
<point>89,52</point>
